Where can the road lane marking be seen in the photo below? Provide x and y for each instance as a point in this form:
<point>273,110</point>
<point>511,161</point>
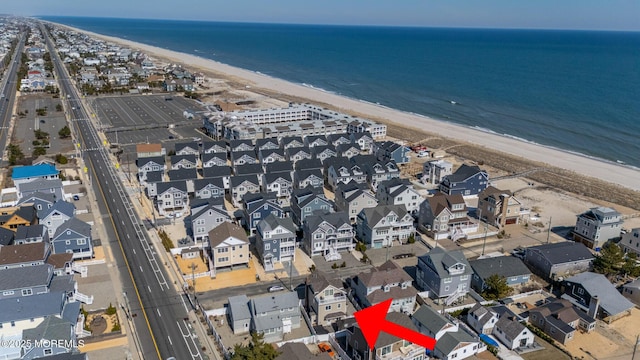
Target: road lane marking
<point>158,311</point>
<point>141,268</point>
<point>149,287</point>
<point>170,342</point>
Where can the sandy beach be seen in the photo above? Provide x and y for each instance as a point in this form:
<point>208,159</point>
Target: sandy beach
<point>262,84</point>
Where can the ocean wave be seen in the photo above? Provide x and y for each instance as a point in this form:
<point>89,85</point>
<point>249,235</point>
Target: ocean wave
<point>318,88</point>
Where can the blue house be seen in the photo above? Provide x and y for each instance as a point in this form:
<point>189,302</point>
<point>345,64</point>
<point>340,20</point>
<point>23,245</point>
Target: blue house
<point>258,206</point>
<point>305,202</point>
<point>23,174</point>
<point>389,150</point>
<point>467,180</point>
<point>509,267</point>
<point>73,237</point>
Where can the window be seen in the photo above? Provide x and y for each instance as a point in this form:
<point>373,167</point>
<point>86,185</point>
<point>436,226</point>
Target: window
<point>223,259</point>
<point>7,293</point>
<point>27,292</point>
<point>267,247</point>
<point>327,308</point>
<point>385,350</point>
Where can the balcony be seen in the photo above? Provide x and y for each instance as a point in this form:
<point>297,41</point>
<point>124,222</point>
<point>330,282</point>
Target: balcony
<point>337,297</point>
<point>404,352</point>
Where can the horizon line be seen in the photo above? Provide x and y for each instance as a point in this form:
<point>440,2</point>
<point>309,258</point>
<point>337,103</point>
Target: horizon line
<point>335,24</point>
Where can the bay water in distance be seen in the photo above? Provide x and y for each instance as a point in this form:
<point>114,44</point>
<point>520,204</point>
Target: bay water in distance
<point>574,90</point>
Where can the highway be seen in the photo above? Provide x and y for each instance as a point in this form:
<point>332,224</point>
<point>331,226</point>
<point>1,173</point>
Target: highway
<point>9,83</point>
<point>156,309</point>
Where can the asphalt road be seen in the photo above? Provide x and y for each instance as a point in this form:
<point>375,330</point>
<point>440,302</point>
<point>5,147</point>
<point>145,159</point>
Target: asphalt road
<point>9,92</point>
<point>157,311</point>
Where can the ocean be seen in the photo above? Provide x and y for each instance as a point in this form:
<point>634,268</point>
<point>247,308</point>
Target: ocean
<point>574,90</point>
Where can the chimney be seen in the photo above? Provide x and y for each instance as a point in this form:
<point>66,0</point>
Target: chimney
<point>503,210</point>
<point>594,304</point>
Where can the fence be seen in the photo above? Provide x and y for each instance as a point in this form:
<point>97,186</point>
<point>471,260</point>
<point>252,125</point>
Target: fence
<point>218,339</point>
<point>334,342</point>
<point>307,320</point>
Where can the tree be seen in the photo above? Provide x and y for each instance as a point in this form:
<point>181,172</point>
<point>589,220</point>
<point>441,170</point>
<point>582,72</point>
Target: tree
<point>630,266</point>
<point>59,107</point>
<point>15,154</point>
<point>497,287</point>
<point>61,159</point>
<point>64,133</point>
<point>256,350</point>
<point>609,262</point>
<point>39,150</point>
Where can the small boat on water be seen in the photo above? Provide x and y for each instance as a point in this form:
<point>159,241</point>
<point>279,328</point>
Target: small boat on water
<point>453,102</point>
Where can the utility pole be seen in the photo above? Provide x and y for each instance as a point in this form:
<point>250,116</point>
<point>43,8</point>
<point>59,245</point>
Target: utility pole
<point>549,230</point>
<point>193,267</point>
<point>291,274</point>
<point>635,347</point>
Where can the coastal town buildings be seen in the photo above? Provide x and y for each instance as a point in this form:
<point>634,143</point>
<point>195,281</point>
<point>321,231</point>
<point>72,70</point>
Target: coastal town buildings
<point>596,226</point>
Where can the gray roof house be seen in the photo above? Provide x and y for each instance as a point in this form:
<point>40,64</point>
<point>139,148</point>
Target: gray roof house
<point>271,155</point>
<point>556,260</point>
<point>305,202</point>
<point>315,140</point>
<point>341,170</point>
<point>512,333</point>
<point>53,186</point>
<point>390,150</point>
<point>275,240</point>
<point>596,226</point>
<point>241,145</point>
<point>25,281</point>
<point>26,311</point>
<point>348,150</point>
<point>239,314</point>
<point>223,172</point>
<point>560,319</point>
<point>325,298</point>
<point>445,274</point>
<point>278,166</point>
<point>209,147</point>
<point>388,281</point>
<point>73,236</point>
<point>323,152</point>
<point>467,180</point>
<point>275,315</point>
<point>40,201</point>
<point>30,234</point>
<point>241,185</point>
<point>278,183</point>
<point>208,188</point>
<point>430,322</point>
<point>187,148</point>
<point>353,198</point>
<point>203,219</point>
<point>631,291</point>
<point>595,294</point>
<point>509,267</point>
<point>151,182</point>
<point>308,164</point>
<point>630,242</point>
<point>378,171</point>
<point>482,319</point>
<point>188,161</point>
<point>248,169</point>
<point>257,206</point>
<point>289,142</point>
<point>337,139</point>
<point>399,192</point>
<point>444,216</point>
<point>52,327</point>
<point>311,177</point>
<point>147,164</point>
<point>295,154</point>
<point>363,139</point>
<point>384,225</point>
<point>244,157</point>
<point>53,217</point>
<point>266,144</point>
<point>327,234</point>
<point>387,346</point>
<point>214,159</point>
<point>172,198</point>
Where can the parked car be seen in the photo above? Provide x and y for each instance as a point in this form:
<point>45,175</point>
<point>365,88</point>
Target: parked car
<point>276,288</point>
<point>76,197</point>
<point>324,347</point>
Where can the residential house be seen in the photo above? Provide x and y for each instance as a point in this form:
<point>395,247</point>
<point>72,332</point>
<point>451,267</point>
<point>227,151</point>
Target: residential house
<point>363,139</point>
<point>65,347</point>
<point>560,319</point>
<point>16,217</point>
<point>52,186</point>
<point>315,140</point>
<point>389,150</point>
<point>304,202</point>
<point>387,346</point>
<point>289,142</point>
<point>594,294</point>
<point>228,248</point>
<point>150,150</point>
<point>278,167</point>
<point>241,185</point>
<point>399,192</point>
<point>257,206</point>
<point>275,240</point>
<point>304,178</point>
<point>26,312</point>
<point>270,155</point>
<point>151,183</point>
<point>341,170</point>
<point>452,341</point>
<point>214,159</point>
<point>348,150</point>
<point>31,234</point>
<point>204,217</point>
<point>24,174</point>
<point>556,260</point>
<point>275,315</point>
<point>383,225</point>
<point>40,201</point>
<point>630,290</point>
<point>323,152</point>
<point>299,351</point>
<point>467,180</point>
<point>445,216</point>
<point>241,145</point>
<point>434,171</point>
<point>249,169</point>
<point>596,226</point>
<point>244,157</point>
<point>267,144</point>
<point>295,154</point>
<point>188,161</point>
<point>24,255</point>
<point>148,164</point>
<point>482,319</point>
<point>377,171</point>
<point>25,281</point>
<point>325,298</point>
<point>499,207</point>
<point>512,333</point>
<point>352,198</point>
<point>208,188</point>
<point>630,242</point>
<point>511,268</point>
<point>239,314</point>
<point>172,198</point>
<point>388,281</point>
<point>187,148</point>
<point>73,236</point>
<point>337,139</point>
<point>213,147</point>
<point>327,234</point>
<point>278,183</point>
<point>186,175</point>
<point>445,274</point>
<point>223,172</point>
<point>309,164</point>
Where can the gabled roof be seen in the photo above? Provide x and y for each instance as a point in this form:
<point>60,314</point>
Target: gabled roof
<point>239,179</point>
<point>23,172</point>
<point>305,174</point>
<point>239,307</point>
<point>264,142</point>
<point>25,277</point>
<point>239,154</point>
<point>6,236</point>
<point>40,184</point>
<point>45,197</point>
<point>34,306</point>
<point>451,340</point>
<point>24,253</point>
<point>206,145</point>
<point>52,327</point>
<point>375,214</point>
<point>362,134</point>
<point>510,327</point>
<point>289,139</point>
<point>272,151</point>
<point>155,176</point>
<point>62,207</point>
<point>182,174</point>
<point>178,158</point>
<point>278,166</point>
<point>140,162</point>
<point>224,231</point>
<point>74,224</point>
<point>199,184</point>
<point>206,157</point>
<point>562,252</point>
<point>182,145</point>
<point>164,186</point>
<point>310,139</point>
<point>611,301</point>
<point>306,164</point>
<point>442,259</point>
<point>464,172</point>
<point>235,143</point>
<point>271,177</point>
<point>507,266</point>
<point>319,281</point>
<point>430,318</point>
<point>316,150</point>
<point>271,222</point>
<point>59,261</point>
<point>211,206</point>
<point>249,169</point>
<point>295,150</point>
<point>387,273</point>
<point>30,232</point>
<point>216,171</point>
<point>269,303</point>
<point>336,219</point>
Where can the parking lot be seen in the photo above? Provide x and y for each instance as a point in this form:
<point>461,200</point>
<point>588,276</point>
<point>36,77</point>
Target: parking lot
<point>51,123</point>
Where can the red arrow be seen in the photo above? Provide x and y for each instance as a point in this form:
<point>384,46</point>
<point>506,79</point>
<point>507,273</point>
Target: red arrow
<point>372,321</point>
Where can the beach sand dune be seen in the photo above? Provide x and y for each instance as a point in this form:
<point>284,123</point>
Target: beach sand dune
<point>482,147</point>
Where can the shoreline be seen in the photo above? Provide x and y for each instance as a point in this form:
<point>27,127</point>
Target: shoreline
<point>606,170</point>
